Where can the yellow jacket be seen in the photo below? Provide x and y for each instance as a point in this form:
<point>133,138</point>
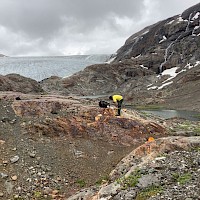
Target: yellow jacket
<point>117,98</point>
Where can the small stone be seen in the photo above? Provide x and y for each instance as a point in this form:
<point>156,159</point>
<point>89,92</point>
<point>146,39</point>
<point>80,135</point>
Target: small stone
<point>47,190</point>
<point>14,159</point>
<point>58,178</point>
<point>3,175</point>
<point>16,196</point>
<point>19,189</point>
<point>1,194</point>
<point>14,178</point>
<point>54,196</point>
<point>55,192</point>
<point>2,141</point>
<point>5,162</point>
<point>39,173</point>
<point>160,158</point>
<point>32,155</point>
<point>9,187</point>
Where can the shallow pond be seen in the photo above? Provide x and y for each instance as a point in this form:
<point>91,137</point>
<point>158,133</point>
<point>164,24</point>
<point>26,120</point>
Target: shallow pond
<point>166,114</point>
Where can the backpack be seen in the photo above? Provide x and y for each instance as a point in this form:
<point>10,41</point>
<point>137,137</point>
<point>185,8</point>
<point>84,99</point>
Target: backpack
<point>104,104</point>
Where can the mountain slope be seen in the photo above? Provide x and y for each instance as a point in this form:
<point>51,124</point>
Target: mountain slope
<point>159,64</point>
<point>171,42</point>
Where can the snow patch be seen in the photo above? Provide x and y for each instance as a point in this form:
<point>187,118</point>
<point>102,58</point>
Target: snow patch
<point>137,56</point>
<point>196,16</point>
<point>197,63</point>
<point>152,88</point>
<point>109,61</point>
<point>171,22</point>
<point>180,19</point>
<point>145,32</point>
<point>166,84</point>
<point>164,39</point>
<point>142,66</point>
<point>171,72</point>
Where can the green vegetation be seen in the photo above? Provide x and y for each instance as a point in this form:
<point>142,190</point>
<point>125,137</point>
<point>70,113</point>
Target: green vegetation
<point>197,116</point>
<point>195,148</point>
<point>182,179</point>
<point>81,183</point>
<point>197,131</point>
<point>189,127</point>
<point>101,180</point>
<point>149,192</point>
<point>130,181</point>
<point>37,194</point>
<point>19,198</point>
<point>149,107</point>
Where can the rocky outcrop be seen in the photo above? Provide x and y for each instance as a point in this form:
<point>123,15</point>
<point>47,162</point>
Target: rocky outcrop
<point>158,169</point>
<point>82,121</point>
<point>17,83</point>
<point>94,80</point>
<point>63,142</point>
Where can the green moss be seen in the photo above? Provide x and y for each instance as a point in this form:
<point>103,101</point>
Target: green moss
<point>37,194</point>
<point>102,179</point>
<point>149,192</point>
<point>188,126</point>
<point>197,116</point>
<point>197,131</point>
<point>182,178</point>
<point>81,183</point>
<point>130,181</point>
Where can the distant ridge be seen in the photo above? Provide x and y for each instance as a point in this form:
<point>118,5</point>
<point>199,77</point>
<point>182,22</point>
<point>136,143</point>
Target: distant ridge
<point>1,55</point>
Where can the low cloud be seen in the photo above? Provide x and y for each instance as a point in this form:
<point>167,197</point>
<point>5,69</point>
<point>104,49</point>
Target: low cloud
<point>63,27</point>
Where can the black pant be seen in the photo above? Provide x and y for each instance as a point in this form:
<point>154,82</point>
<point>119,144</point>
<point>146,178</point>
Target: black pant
<point>119,105</point>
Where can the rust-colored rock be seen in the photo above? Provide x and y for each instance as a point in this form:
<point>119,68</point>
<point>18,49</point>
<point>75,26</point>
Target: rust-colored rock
<point>84,121</point>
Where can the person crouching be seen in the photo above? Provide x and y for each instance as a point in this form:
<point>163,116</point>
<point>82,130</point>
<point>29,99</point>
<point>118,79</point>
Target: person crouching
<point>117,99</point>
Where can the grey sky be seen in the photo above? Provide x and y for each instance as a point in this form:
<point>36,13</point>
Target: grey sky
<point>64,27</point>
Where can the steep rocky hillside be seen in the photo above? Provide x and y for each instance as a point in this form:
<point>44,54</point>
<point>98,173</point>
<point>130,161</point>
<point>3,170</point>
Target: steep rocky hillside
<point>173,42</point>
<point>159,64</point>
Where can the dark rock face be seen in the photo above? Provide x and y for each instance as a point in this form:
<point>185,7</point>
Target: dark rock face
<point>96,79</point>
<point>17,83</point>
<point>193,9</point>
<point>171,42</point>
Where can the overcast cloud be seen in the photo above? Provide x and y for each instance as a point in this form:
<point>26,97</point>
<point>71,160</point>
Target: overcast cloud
<point>66,27</point>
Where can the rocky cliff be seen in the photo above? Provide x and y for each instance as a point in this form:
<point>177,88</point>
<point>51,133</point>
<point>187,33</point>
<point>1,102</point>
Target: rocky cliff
<point>173,42</point>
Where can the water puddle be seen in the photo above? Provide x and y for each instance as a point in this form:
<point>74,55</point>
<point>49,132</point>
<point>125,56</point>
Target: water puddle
<point>167,114</point>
